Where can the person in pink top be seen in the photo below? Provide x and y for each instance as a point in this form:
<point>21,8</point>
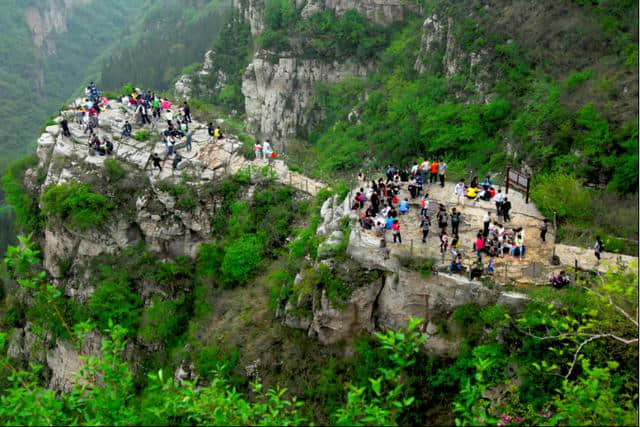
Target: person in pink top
<point>479,245</point>
<point>395,230</point>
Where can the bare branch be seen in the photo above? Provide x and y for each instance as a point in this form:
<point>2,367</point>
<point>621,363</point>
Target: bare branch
<point>592,338</point>
<point>618,308</point>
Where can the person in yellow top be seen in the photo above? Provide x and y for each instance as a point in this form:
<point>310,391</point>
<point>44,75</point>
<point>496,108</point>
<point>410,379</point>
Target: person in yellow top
<point>472,193</point>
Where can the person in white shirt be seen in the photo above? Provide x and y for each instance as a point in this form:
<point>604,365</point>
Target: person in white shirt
<point>424,169</point>
<point>499,198</point>
<point>442,171</point>
<point>486,221</point>
<point>459,191</point>
<point>414,169</point>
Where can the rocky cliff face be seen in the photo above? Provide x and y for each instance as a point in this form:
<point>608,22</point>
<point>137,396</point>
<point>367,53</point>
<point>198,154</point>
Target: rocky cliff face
<point>439,50</point>
<point>389,297</point>
<point>146,210</point>
<point>49,19</point>
<point>278,96</point>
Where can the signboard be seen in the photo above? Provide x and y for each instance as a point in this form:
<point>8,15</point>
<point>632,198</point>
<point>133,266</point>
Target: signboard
<point>518,181</point>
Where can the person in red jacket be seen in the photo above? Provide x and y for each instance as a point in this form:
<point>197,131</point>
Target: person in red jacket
<point>479,245</point>
<point>395,230</point>
<point>434,172</point>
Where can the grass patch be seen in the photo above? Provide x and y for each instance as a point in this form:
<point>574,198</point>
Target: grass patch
<point>76,205</point>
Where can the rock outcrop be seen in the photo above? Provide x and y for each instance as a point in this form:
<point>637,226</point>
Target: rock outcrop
<point>279,96</point>
<point>440,51</point>
<point>48,19</point>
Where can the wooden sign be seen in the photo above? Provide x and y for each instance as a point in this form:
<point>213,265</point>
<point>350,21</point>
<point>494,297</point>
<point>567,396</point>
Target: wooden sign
<point>518,181</point>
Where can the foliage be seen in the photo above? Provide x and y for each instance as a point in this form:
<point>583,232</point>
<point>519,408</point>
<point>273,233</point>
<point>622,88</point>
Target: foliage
<point>140,55</point>
<point>232,52</point>
<point>185,194</point>
<point>115,301</point>
<point>49,311</point>
<point>24,204</point>
<point>162,321</point>
<point>76,205</point>
<point>564,195</point>
<point>141,135</point>
<point>241,259</point>
<point>114,169</point>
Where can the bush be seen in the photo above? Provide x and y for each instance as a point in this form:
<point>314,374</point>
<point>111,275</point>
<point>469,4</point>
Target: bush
<point>115,170</point>
<point>564,195</point>
<point>162,321</point>
<point>24,204</point>
<point>141,135</point>
<point>76,205</point>
<point>114,300</point>
<point>210,257</point>
<point>241,259</point>
<point>576,79</point>
<point>186,195</point>
<point>170,272</point>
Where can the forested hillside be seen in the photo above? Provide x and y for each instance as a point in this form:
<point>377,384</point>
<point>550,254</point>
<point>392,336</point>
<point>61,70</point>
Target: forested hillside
<point>547,87</point>
<point>256,261</point>
<point>169,36</point>
<point>47,58</point>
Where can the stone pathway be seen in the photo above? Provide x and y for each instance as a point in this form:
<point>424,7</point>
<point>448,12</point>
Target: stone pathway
<point>534,268</point>
<point>209,160</point>
<point>206,161</point>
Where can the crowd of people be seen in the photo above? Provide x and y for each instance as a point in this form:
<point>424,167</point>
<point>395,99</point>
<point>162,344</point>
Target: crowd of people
<point>147,109</point>
<point>382,209</point>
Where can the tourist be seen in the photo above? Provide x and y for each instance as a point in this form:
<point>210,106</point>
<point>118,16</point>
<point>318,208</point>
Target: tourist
<point>499,199</point>
<point>187,112</point>
<point>598,247</point>
<point>519,245</point>
<point>506,208</point>
<point>455,221</point>
<point>425,225</point>
<point>479,245</point>
<point>188,138</point>
<point>156,161</point>
<point>543,230</point>
<point>486,220</point>
<point>126,129</point>
<point>434,172</point>
<point>404,207</point>
<point>424,203</point>
<point>444,242</point>
<point>442,218</point>
<point>442,172</point>
<point>395,230</point>
<point>177,159</point>
<point>65,127</point>
<point>459,192</point>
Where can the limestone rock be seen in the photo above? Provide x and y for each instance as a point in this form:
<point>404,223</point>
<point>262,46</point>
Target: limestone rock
<point>65,362</point>
<point>278,95</point>
<point>331,324</point>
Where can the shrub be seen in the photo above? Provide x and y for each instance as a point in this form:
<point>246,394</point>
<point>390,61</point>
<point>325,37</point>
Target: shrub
<point>186,195</point>
<point>280,288</point>
<point>24,204</point>
<point>141,135</point>
<point>115,170</point>
<point>114,300</point>
<point>564,195</point>
<point>210,257</point>
<point>126,89</point>
<point>162,321</point>
<point>169,272</point>
<point>76,205</point>
<point>241,259</point>
<point>576,79</point>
